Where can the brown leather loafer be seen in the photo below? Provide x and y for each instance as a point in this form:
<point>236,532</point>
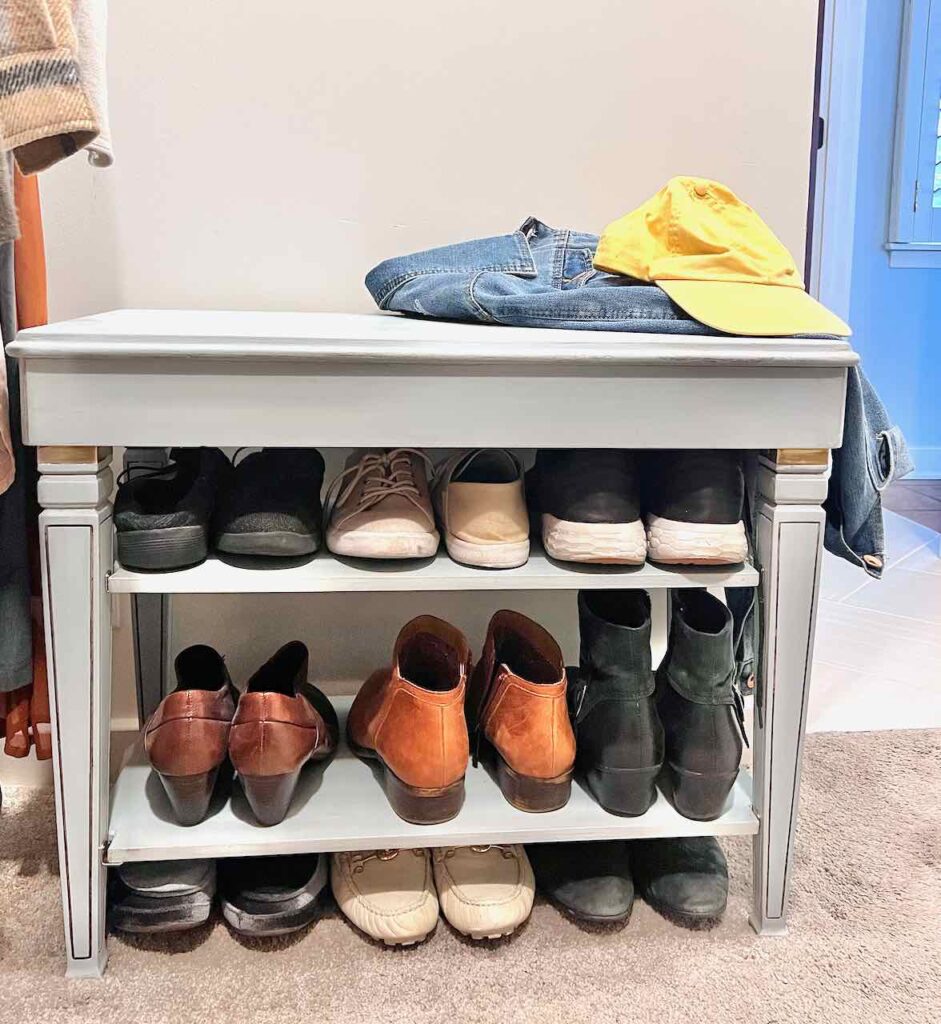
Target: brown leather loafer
<point>282,722</point>
<point>410,718</point>
<point>517,711</point>
<point>186,738</point>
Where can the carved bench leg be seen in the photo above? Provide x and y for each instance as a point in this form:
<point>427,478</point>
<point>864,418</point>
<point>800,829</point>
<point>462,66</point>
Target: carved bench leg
<point>75,547</point>
<point>792,485</point>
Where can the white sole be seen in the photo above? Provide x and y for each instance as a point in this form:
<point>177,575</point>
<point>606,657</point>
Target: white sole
<point>677,543</point>
<point>605,543</point>
<point>508,555</point>
<point>382,545</point>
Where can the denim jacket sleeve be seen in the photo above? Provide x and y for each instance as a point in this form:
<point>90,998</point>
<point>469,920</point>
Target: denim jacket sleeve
<point>873,454</point>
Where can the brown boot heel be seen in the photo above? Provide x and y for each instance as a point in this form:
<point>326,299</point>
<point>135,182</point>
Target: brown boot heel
<point>269,796</point>
<point>423,806</point>
<point>529,794</point>
<point>189,795</point>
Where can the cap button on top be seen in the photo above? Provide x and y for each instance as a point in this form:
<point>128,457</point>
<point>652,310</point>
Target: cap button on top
<point>701,191</point>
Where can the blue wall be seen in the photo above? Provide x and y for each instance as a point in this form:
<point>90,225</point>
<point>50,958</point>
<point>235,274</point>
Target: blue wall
<point>895,313</point>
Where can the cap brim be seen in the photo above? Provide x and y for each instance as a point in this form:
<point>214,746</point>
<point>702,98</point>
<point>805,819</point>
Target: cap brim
<point>759,310</point>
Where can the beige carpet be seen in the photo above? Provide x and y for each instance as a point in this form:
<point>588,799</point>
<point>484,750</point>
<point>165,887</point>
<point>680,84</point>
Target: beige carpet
<point>864,944</point>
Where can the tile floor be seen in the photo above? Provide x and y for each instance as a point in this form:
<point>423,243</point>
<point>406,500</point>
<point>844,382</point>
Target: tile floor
<point>877,658</point>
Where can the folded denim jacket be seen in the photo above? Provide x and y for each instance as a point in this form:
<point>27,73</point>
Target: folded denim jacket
<point>543,277</point>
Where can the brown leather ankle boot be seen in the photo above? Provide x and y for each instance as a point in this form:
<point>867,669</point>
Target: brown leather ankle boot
<point>281,723</point>
<point>410,718</point>
<point>517,712</point>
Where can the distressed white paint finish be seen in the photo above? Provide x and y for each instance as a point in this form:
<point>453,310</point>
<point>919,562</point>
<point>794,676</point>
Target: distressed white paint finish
<point>344,807</point>
<point>383,338</point>
<point>789,540</point>
<point>75,545</point>
<point>342,380</point>
<point>325,573</point>
<point>381,380</point>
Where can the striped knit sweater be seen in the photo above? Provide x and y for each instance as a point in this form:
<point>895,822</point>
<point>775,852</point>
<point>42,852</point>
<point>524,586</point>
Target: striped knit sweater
<point>45,113</point>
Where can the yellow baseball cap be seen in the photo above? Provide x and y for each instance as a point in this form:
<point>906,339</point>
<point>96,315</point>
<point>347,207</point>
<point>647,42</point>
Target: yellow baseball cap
<point>717,260</point>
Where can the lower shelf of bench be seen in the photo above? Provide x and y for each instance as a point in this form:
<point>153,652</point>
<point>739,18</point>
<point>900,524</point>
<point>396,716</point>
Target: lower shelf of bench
<point>342,806</point>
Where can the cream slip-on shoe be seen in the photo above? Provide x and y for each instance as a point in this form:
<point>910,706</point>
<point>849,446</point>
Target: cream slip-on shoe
<point>485,891</point>
<point>481,506</point>
<point>388,894</point>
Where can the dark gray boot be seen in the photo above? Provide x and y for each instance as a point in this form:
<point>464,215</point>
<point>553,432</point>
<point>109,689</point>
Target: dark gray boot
<point>699,706</point>
<point>590,881</point>
<point>685,880</point>
<point>618,735</point>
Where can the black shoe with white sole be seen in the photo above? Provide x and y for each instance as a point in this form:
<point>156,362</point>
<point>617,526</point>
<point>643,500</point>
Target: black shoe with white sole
<point>163,516</point>
<point>272,506</point>
<point>693,507</point>
<point>585,504</point>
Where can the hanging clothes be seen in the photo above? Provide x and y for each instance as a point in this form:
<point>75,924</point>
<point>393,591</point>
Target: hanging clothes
<point>24,695</point>
<point>45,112</point>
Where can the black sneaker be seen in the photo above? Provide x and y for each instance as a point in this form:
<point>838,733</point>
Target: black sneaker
<point>163,516</point>
<point>272,507</point>
<point>693,507</point>
<point>585,503</point>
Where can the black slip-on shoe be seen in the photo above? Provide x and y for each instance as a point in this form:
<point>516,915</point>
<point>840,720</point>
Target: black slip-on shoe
<point>272,507</point>
<point>272,895</point>
<point>161,896</point>
<point>585,505</point>
<point>686,880</point>
<point>163,516</point>
<point>693,507</point>
<point>590,881</point>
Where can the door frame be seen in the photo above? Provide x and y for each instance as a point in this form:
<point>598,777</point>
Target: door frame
<point>833,178</point>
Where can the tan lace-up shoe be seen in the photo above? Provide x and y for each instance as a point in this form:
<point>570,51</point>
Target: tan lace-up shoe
<point>484,891</point>
<point>388,894</point>
<point>380,506</point>
<point>481,506</point>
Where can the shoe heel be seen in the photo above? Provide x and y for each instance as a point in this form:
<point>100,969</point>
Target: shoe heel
<point>627,793</point>
<point>529,794</point>
<point>189,795</point>
<point>698,796</point>
<point>424,806</point>
<point>269,796</point>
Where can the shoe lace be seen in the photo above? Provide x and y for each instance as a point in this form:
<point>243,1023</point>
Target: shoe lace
<point>384,474</point>
<point>360,859</point>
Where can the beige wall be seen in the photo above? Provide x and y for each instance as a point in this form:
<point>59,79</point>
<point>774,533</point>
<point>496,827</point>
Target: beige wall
<point>269,154</point>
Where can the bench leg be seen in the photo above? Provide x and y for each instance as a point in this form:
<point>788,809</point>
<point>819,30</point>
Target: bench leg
<point>789,542</point>
<point>75,547</point>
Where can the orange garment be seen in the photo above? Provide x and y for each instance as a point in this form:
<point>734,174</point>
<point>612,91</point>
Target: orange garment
<point>27,709</point>
<point>29,255</point>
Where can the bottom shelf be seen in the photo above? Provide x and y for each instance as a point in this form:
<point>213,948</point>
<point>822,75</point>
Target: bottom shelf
<point>342,806</point>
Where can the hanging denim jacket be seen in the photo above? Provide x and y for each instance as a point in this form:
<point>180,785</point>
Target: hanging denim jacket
<point>539,276</point>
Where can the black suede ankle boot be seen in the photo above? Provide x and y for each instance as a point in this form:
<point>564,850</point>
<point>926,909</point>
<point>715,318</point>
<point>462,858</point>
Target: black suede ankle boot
<point>699,706</point>
<point>618,735</point>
